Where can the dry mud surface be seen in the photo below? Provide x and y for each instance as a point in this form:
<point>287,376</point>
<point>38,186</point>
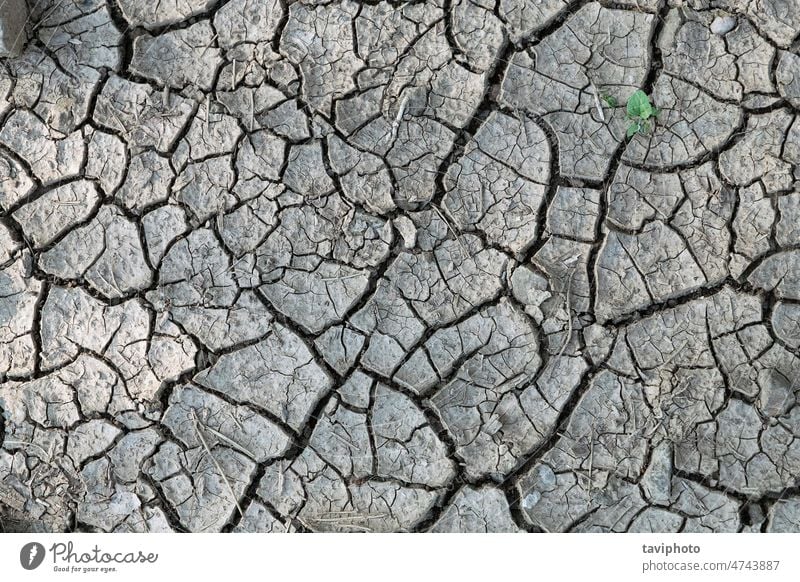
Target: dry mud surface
<point>394,266</point>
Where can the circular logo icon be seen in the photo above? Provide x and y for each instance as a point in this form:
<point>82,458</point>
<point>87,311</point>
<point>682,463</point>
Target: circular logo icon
<point>31,555</point>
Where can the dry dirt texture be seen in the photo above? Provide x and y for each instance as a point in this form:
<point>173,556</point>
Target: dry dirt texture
<point>274,265</point>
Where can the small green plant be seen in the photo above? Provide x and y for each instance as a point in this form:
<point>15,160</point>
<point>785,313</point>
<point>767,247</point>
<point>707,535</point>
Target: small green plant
<point>640,112</point>
<point>609,100</point>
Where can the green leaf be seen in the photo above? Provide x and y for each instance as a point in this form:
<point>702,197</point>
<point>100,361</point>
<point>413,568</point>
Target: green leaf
<point>633,128</point>
<point>610,100</point>
<point>639,105</point>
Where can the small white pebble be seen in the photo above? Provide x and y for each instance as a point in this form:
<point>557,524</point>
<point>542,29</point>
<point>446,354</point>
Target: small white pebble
<point>407,231</point>
<point>531,500</point>
<point>722,25</point>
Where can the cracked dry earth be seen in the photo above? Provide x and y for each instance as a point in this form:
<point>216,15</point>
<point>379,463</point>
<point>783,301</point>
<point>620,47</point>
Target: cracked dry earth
<point>274,265</point>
